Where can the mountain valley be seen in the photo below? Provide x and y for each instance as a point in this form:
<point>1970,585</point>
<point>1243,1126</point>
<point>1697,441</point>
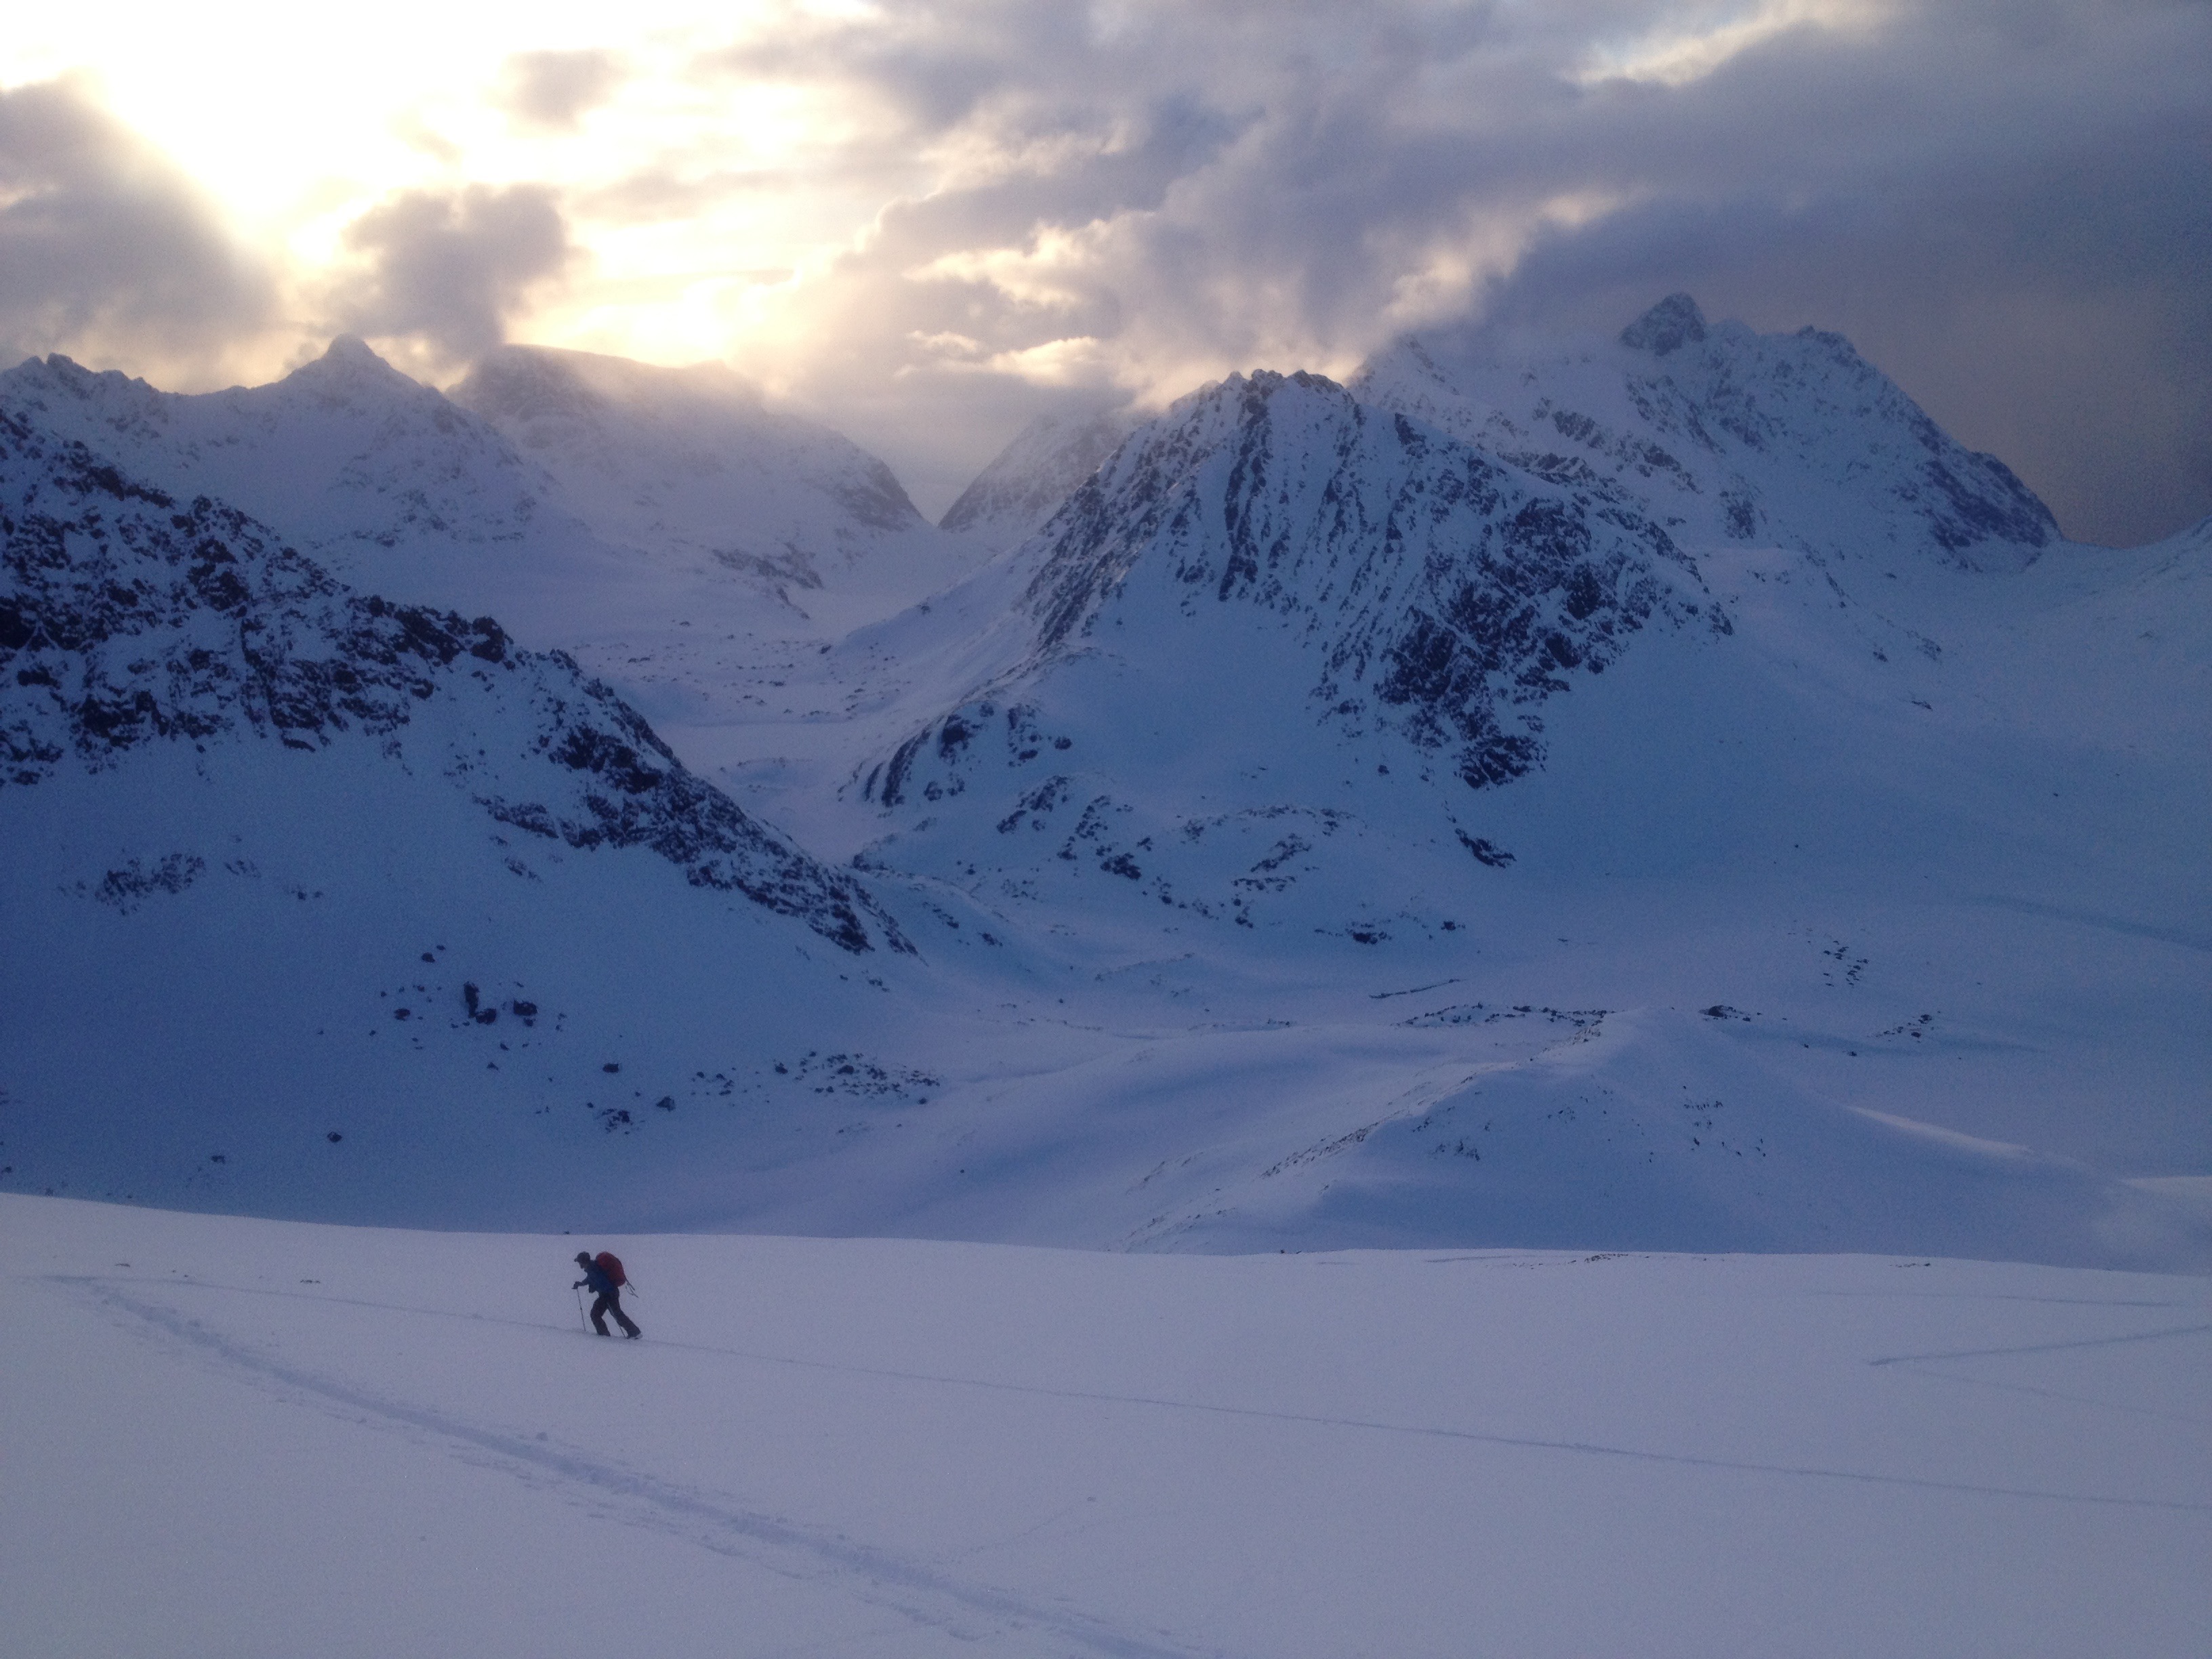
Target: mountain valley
<point>1653,793</point>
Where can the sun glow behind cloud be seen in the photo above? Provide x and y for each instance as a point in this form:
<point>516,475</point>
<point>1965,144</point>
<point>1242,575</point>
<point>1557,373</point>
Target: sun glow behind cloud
<point>681,192</point>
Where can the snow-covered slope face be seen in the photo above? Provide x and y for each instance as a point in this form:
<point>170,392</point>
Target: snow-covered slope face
<point>1048,461</point>
<point>129,621</point>
<point>690,462</point>
<point>259,823</point>
<point>1299,700</point>
<point>890,1449</point>
<point>1268,603</point>
<point>386,483</point>
<point>1727,436</point>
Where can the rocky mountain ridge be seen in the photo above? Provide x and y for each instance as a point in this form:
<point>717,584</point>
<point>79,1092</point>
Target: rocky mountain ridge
<point>132,618</point>
<point>1729,437</point>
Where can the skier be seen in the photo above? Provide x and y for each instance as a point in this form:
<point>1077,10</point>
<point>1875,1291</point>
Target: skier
<point>608,1289</point>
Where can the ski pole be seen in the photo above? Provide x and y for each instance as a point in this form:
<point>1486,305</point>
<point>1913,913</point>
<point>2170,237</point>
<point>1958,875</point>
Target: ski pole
<point>581,1320</point>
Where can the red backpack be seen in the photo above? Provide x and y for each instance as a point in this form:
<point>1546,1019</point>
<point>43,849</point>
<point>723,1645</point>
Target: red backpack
<point>610,1264</point>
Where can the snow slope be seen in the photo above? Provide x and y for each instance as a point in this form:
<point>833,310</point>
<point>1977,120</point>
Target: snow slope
<point>381,479</point>
<point>1732,436</point>
<point>292,869</point>
<point>663,525</point>
<point>1012,498</point>
<point>245,1438</point>
<point>691,464</point>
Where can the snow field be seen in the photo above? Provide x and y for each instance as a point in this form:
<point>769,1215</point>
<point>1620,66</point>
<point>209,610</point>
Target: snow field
<point>248,1438</point>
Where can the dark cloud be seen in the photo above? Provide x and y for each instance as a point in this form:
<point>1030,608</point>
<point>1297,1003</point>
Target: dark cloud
<point>2005,202</point>
<point>105,250</point>
<point>448,267</point>
<point>554,90</point>
<point>2016,225</point>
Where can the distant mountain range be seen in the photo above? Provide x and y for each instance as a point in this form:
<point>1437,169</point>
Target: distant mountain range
<point>1652,793</point>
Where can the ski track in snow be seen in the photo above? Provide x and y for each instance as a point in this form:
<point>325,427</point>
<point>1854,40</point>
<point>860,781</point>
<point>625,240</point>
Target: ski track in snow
<point>669,1504</point>
<point>714,1520</point>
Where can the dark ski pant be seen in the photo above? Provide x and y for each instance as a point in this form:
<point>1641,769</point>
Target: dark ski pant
<point>610,1302</point>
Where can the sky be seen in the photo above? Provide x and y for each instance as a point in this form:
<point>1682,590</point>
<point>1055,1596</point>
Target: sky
<point>929,222</point>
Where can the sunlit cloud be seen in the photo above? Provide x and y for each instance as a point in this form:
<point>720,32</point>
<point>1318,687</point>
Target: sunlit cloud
<point>1695,40</point>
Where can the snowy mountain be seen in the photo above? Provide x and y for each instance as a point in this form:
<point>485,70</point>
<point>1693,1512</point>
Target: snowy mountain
<point>692,464</point>
<point>1439,597</point>
<point>383,481</point>
<point>246,805</point>
<point>1324,830</point>
<point>662,526</point>
<point>1298,690</point>
<point>1728,437</point>
<point>132,619</point>
<point>1047,460</point>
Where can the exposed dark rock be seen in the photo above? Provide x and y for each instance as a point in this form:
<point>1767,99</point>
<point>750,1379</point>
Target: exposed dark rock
<point>1447,594</point>
<point>127,619</point>
<point>1674,322</point>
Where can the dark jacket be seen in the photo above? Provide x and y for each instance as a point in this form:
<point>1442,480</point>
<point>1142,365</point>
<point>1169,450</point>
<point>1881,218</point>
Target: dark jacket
<point>596,1279</point>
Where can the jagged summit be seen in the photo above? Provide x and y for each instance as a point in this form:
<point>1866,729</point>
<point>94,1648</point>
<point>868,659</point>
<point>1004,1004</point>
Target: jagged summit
<point>1674,322</point>
<point>1268,595</point>
<point>351,354</point>
<point>1729,437</point>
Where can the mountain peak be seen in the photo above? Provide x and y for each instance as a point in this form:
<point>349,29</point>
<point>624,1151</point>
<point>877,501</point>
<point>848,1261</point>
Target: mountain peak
<point>1674,321</point>
<point>350,348</point>
<point>349,362</point>
<point>351,354</point>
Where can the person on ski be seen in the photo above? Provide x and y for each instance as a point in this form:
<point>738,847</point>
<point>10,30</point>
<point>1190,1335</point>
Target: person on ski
<point>609,1293</point>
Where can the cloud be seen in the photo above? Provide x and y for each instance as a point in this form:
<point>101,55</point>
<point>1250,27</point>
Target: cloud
<point>2004,203</point>
<point>108,250</point>
<point>553,91</point>
<point>932,220</point>
<point>447,268</point>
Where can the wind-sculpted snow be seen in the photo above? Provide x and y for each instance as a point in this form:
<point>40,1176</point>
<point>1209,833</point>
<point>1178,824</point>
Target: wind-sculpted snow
<point>1727,436</point>
<point>132,618</point>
